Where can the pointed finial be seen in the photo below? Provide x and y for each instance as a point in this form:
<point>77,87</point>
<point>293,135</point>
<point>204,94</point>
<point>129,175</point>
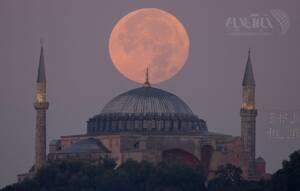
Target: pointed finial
<point>42,42</point>
<point>147,83</point>
<point>249,56</point>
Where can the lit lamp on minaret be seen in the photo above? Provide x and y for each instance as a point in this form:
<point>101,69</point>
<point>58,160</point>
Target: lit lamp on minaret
<point>41,106</point>
<point>248,115</point>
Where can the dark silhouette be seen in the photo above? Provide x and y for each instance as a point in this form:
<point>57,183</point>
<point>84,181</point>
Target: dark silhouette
<point>228,177</point>
<point>288,178</point>
<point>131,176</point>
<point>146,176</point>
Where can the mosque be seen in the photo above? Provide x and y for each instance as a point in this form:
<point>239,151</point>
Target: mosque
<point>147,123</point>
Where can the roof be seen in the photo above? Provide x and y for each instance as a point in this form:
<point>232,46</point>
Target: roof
<point>248,79</point>
<point>260,160</point>
<point>147,100</point>
<point>86,145</point>
<point>55,142</point>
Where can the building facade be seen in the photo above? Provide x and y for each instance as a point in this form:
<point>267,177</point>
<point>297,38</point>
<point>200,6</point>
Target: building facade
<point>147,123</point>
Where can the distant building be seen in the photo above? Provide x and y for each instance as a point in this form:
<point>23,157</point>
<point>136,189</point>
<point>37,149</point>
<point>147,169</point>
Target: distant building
<point>151,124</point>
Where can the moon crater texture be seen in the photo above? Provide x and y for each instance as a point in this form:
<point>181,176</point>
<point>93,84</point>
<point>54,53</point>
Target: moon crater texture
<point>149,38</point>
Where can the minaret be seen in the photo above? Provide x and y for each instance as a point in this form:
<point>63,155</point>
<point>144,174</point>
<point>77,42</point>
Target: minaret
<point>248,115</point>
<point>41,106</point>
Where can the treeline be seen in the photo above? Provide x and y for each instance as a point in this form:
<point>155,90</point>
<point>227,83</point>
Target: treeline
<point>146,176</point>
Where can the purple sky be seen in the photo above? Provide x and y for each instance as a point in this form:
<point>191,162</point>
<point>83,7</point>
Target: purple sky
<point>81,78</point>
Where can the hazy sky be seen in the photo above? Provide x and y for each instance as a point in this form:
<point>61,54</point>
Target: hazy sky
<point>81,78</point>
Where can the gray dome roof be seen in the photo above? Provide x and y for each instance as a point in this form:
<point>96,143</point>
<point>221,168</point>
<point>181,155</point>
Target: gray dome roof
<point>86,145</point>
<point>146,109</point>
<point>145,100</point>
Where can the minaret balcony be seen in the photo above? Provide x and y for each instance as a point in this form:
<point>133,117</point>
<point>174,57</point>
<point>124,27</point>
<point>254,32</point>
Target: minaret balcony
<point>252,112</point>
<point>41,105</point>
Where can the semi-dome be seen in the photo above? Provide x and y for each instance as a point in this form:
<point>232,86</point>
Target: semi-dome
<point>146,100</point>
<point>87,145</point>
<point>146,109</point>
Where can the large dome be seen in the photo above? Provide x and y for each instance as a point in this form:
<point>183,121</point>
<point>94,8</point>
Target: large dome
<point>146,100</point>
<point>146,109</point>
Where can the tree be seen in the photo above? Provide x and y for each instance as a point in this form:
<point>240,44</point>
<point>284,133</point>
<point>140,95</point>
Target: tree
<point>131,176</point>
<point>230,173</point>
<point>288,177</point>
<point>138,173</point>
<point>168,176</point>
<point>228,177</point>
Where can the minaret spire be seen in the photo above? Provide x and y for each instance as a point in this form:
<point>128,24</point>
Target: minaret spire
<point>41,71</point>
<point>147,83</point>
<point>41,106</point>
<point>248,79</point>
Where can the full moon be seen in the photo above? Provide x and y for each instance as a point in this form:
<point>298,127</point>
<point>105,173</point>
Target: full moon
<point>149,38</point>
